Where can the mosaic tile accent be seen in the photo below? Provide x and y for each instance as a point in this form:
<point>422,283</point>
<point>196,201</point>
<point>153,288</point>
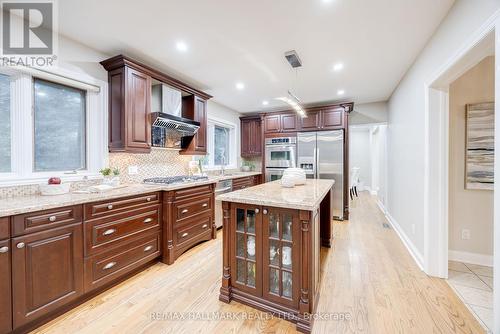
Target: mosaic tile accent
<point>160,162</point>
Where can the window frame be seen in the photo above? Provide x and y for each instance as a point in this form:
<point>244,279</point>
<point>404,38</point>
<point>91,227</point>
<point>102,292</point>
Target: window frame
<point>22,137</point>
<point>211,123</point>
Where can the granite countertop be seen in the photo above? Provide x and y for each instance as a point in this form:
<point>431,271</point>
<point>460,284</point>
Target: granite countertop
<point>24,204</point>
<point>305,197</point>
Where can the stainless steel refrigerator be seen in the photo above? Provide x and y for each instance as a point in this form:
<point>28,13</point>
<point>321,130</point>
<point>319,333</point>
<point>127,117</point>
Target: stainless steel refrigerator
<point>321,155</point>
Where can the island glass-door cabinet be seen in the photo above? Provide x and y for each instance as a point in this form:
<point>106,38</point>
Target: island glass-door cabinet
<point>281,258</point>
<point>265,253</point>
<point>246,266</point>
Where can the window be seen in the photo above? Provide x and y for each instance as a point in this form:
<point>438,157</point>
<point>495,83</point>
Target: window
<point>221,145</point>
<point>51,124</point>
<point>5,125</point>
<point>59,120</point>
<point>221,149</point>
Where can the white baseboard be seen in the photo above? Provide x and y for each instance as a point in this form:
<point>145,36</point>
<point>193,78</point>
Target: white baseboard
<point>417,256</point>
<point>472,258</point>
<point>374,192</point>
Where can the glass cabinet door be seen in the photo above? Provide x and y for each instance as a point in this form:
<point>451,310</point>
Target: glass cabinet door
<point>281,244</point>
<point>246,267</point>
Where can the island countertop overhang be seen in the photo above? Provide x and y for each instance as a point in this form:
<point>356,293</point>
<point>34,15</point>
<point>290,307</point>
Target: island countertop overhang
<point>306,197</point>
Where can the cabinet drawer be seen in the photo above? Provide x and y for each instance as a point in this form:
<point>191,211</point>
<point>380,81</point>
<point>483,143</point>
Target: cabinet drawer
<point>4,228</point>
<point>192,207</point>
<point>111,265</point>
<point>187,235</point>
<point>195,191</point>
<point>48,219</point>
<point>106,208</point>
<point>109,232</point>
<point>243,183</point>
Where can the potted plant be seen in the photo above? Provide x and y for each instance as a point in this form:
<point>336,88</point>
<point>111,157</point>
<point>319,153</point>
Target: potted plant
<point>111,176</point>
<point>247,166</point>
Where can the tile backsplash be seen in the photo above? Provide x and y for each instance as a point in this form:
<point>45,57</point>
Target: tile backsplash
<point>160,162</point>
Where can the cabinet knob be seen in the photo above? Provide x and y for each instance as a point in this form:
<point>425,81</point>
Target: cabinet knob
<point>109,265</point>
<point>204,226</point>
<point>148,199</point>
<point>110,206</point>
<point>148,248</point>
<point>185,211</point>
<point>52,218</point>
<point>257,210</point>
<point>264,211</point>
<point>109,232</point>
<point>4,249</point>
<point>185,234</point>
<point>204,205</point>
<point>148,220</point>
<point>20,245</point>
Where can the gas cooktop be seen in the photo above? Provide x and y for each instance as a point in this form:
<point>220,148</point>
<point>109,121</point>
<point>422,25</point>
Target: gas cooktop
<point>174,179</point>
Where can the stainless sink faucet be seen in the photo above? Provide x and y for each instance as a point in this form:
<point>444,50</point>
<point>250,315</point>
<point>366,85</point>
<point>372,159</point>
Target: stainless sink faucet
<point>223,162</point>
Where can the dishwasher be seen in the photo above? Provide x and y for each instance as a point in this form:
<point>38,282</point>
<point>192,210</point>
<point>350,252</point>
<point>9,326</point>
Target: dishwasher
<point>222,187</point>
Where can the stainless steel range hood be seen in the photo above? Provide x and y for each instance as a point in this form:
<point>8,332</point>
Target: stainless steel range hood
<point>166,119</point>
<point>166,104</point>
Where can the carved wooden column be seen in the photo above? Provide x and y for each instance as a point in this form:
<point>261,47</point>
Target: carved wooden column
<point>225,290</point>
<point>168,222</point>
<point>304,324</point>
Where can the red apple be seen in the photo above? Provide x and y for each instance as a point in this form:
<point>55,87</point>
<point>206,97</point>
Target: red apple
<point>54,180</point>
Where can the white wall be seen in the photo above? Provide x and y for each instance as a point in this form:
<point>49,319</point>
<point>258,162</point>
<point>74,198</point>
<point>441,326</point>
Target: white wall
<point>405,193</point>
<point>360,156</point>
<point>368,113</point>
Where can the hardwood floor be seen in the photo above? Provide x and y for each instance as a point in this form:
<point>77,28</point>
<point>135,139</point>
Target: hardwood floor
<point>368,276</point>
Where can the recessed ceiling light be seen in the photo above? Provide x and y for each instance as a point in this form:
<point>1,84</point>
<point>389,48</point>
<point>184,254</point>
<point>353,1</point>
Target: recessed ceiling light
<point>337,67</point>
<point>326,1</point>
<point>265,103</point>
<point>340,92</point>
<point>181,46</point>
<point>240,86</point>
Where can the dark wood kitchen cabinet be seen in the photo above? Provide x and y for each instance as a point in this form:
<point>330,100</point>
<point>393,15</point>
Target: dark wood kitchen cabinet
<point>47,271</point>
<point>251,136</point>
<point>130,106</point>
<point>195,108</point>
<point>5,278</point>
<point>129,109</point>
<point>283,122</point>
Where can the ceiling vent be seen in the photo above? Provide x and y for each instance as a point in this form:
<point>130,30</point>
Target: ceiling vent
<point>293,58</point>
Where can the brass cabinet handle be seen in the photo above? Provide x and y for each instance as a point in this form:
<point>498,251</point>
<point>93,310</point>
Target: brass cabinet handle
<point>148,220</point>
<point>148,199</point>
<point>20,245</point>
<point>110,206</point>
<point>109,232</point>
<point>185,211</point>
<point>148,248</point>
<point>4,249</point>
<point>204,205</point>
<point>204,226</point>
<point>52,218</point>
<point>109,265</point>
<point>185,234</point>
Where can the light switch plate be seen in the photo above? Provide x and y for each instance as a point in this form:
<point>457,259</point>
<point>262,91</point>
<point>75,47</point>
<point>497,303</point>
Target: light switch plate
<point>133,170</point>
<point>465,234</point>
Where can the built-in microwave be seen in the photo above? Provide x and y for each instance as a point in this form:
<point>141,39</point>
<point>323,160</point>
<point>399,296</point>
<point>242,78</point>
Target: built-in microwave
<point>281,152</point>
<point>273,174</point>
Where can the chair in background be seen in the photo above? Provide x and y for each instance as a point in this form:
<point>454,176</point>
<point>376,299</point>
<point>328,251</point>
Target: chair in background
<point>354,182</point>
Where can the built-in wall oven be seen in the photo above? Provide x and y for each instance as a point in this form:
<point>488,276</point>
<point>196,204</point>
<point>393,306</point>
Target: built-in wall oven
<point>280,153</point>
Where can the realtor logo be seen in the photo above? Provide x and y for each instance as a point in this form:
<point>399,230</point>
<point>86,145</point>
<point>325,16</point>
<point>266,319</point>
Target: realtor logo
<point>27,28</point>
<point>29,33</point>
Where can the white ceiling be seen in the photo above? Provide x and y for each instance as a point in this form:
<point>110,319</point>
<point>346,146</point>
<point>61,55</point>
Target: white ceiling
<point>232,41</point>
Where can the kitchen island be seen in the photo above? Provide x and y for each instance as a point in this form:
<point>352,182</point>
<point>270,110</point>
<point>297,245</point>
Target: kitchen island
<point>271,247</point>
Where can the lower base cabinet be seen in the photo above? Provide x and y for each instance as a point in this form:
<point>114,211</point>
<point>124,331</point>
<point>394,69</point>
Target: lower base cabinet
<point>5,287</point>
<point>48,272</point>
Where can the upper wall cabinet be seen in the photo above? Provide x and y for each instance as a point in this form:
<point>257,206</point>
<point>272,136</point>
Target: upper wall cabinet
<point>283,122</point>
<point>130,106</point>
<point>195,108</point>
<point>251,136</point>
